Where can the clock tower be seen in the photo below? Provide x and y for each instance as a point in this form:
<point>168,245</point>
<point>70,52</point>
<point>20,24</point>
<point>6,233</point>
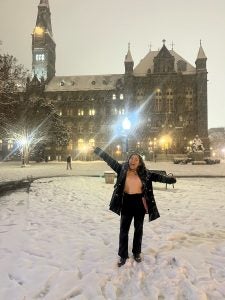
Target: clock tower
<point>43,45</point>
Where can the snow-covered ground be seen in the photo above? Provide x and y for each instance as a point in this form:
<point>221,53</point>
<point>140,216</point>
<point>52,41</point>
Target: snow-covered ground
<point>13,171</point>
<point>60,241</point>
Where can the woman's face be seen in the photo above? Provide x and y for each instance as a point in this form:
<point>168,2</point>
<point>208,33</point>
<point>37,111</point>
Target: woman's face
<point>134,162</point>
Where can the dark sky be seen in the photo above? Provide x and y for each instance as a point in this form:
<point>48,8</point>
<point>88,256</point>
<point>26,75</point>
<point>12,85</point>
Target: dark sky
<point>92,36</point>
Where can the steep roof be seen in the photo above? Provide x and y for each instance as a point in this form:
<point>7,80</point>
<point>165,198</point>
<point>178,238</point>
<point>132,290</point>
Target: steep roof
<point>83,83</point>
<point>147,63</point>
<point>201,53</point>
<point>128,57</point>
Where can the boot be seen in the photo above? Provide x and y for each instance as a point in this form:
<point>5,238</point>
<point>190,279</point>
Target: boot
<point>121,262</point>
<point>137,258</point>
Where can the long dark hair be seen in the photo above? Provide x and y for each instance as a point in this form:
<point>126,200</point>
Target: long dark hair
<point>141,169</point>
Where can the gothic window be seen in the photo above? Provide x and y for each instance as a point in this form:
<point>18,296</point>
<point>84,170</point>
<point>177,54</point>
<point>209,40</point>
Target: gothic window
<point>80,128</point>
<point>91,112</point>
<point>189,99</point>
<point>70,146</point>
<point>114,111</point>
<point>114,96</point>
<point>10,144</point>
<point>91,142</point>
<point>91,128</point>
<point>158,101</point>
<point>189,121</point>
<point>69,112</point>
<point>80,144</point>
<point>169,100</point>
<point>140,94</point>
<point>40,57</point>
<point>80,112</point>
<point>121,111</point>
<point>169,105</point>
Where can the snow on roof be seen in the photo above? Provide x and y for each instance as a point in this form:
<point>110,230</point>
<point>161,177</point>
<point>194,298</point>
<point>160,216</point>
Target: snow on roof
<point>83,83</point>
<point>148,63</point>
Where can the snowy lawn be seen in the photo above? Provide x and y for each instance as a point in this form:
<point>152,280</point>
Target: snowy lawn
<point>60,242</point>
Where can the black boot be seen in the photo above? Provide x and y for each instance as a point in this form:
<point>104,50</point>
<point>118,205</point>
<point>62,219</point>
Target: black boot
<point>121,262</point>
<point>137,258</point>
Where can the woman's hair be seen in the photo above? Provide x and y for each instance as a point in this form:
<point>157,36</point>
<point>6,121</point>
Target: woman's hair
<point>141,168</point>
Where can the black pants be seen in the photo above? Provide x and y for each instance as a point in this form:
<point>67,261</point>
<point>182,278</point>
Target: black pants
<point>132,208</point>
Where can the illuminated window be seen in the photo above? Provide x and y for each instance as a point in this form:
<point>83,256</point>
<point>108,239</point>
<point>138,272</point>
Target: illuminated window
<point>114,96</point>
<point>80,112</point>
<point>121,97</point>
<point>91,112</point>
<point>169,101</point>
<point>40,57</point>
<point>70,146</point>
<point>80,144</point>
<point>60,112</point>
<point>115,111</point>
<point>92,142</point>
<point>0,145</point>
<point>10,144</point>
<point>121,111</point>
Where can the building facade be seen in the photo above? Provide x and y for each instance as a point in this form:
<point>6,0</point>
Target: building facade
<point>157,106</point>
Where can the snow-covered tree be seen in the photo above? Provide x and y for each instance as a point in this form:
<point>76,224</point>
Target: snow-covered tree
<point>37,125</point>
<point>12,81</point>
<point>30,121</point>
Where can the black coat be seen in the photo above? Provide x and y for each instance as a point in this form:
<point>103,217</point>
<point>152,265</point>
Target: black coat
<point>146,178</point>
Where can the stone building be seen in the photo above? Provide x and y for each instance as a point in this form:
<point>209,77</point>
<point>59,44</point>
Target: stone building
<point>163,99</point>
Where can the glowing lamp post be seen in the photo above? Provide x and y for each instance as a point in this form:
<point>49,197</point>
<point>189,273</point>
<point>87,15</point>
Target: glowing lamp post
<point>24,150</point>
<point>126,127</point>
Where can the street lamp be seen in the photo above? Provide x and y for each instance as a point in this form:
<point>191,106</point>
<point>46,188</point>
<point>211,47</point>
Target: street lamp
<point>126,127</point>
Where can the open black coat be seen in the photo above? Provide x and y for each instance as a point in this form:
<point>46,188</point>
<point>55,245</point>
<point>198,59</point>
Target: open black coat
<point>146,178</point>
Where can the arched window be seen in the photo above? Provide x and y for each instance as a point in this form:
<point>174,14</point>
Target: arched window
<point>169,100</point>
<point>91,143</point>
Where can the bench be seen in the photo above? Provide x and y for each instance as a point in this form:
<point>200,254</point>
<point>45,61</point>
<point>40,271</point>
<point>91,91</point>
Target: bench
<point>161,172</point>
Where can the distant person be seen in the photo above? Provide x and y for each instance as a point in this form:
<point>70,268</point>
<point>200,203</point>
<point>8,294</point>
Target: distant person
<point>132,198</point>
<point>69,162</point>
<point>155,157</point>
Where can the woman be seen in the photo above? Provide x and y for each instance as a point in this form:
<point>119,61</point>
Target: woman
<point>132,198</point>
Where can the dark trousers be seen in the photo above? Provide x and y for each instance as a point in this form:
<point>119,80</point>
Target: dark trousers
<point>125,222</point>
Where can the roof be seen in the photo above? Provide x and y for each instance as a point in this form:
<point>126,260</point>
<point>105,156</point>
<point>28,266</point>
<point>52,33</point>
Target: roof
<point>148,62</point>
<point>83,83</point>
<point>201,53</point>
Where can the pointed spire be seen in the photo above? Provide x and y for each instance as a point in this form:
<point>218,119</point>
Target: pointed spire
<point>44,3</point>
<point>44,16</point>
<point>201,53</point>
<point>128,57</point>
